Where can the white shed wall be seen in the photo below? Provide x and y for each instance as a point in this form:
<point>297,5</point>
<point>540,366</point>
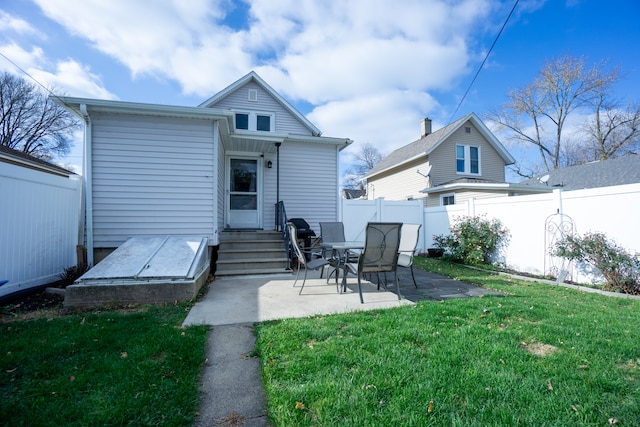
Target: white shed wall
<point>152,176</point>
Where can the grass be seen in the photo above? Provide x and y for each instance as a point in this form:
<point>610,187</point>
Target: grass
<point>540,355</point>
<point>102,368</point>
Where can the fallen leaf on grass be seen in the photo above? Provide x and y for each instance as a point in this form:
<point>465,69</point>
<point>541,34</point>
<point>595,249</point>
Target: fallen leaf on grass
<point>300,406</point>
<point>430,407</point>
<point>549,386</point>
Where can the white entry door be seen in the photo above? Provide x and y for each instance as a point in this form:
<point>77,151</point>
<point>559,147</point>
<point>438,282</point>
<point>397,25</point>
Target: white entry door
<point>244,196</point>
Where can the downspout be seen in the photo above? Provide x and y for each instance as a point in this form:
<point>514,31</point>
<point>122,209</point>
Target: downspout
<point>278,171</point>
<point>88,182</point>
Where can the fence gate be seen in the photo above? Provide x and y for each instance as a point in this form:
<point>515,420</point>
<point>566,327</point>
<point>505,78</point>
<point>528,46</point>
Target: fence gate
<point>557,226</point>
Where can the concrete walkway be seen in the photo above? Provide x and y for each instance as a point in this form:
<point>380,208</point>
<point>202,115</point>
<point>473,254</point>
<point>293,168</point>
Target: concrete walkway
<point>232,390</point>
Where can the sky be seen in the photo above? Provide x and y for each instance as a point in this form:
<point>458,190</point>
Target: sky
<point>368,70</point>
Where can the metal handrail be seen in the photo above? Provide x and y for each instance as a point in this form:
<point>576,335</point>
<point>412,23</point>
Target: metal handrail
<point>281,225</point>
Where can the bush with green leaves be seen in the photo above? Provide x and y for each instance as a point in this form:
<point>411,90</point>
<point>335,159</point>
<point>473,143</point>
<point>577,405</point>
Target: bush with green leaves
<point>620,269</point>
<point>474,240</point>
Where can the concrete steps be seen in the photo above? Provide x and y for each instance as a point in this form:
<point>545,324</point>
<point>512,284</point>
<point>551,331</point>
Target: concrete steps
<point>251,252</point>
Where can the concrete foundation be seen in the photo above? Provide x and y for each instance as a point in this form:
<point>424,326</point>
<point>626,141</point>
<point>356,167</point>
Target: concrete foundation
<point>144,271</point>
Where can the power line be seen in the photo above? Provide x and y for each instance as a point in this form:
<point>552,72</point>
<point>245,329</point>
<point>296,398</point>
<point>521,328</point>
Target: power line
<point>30,76</point>
<point>483,61</point>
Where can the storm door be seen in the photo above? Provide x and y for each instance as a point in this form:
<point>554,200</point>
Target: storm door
<point>243,188</point>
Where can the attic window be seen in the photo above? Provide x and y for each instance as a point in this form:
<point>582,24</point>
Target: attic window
<point>253,95</point>
<point>467,129</point>
<point>254,121</point>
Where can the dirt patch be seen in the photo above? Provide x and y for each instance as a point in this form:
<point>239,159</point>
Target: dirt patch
<point>31,306</point>
<point>538,348</point>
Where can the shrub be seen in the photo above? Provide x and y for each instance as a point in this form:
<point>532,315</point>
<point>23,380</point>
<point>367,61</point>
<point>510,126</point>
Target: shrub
<point>70,274</point>
<point>474,240</point>
<point>620,269</point>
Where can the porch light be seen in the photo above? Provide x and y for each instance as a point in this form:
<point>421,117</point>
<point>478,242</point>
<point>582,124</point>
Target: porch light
<point>269,164</point>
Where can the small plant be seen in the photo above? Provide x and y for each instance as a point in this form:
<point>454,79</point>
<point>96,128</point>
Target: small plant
<point>70,274</point>
<point>620,269</point>
<point>474,240</point>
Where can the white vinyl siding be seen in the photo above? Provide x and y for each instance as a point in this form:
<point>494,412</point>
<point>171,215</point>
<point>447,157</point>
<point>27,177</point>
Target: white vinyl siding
<point>152,176</point>
<point>238,100</point>
<point>307,192</point>
<point>399,185</point>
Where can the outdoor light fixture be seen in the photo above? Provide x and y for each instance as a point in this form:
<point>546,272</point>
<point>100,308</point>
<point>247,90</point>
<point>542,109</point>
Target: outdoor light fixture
<point>269,164</point>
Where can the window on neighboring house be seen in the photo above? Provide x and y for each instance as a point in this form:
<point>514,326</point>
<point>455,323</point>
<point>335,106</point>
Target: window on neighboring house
<point>448,199</point>
<point>468,159</point>
<point>253,121</point>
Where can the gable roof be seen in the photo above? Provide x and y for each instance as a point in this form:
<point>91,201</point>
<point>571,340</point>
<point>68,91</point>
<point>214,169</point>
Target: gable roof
<point>253,76</point>
<point>16,157</point>
<point>425,145</point>
<point>601,173</point>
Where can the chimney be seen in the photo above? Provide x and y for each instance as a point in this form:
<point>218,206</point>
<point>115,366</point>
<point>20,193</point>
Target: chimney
<point>425,127</point>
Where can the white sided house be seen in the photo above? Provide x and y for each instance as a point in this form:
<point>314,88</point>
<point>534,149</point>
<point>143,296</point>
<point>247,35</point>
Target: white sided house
<point>160,170</point>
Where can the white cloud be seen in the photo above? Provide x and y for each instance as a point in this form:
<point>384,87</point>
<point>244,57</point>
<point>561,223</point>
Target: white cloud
<point>11,23</point>
<point>367,67</point>
<point>68,77</point>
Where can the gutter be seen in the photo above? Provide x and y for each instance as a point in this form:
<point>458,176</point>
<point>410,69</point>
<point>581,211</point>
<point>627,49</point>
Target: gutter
<point>87,174</point>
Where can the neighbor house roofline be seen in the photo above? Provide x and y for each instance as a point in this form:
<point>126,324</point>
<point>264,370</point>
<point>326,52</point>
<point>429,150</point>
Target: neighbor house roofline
<point>19,158</point>
<point>439,137</point>
<point>256,78</point>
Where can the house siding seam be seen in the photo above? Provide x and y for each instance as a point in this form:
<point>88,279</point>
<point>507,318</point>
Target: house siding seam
<point>151,177</point>
<point>285,122</point>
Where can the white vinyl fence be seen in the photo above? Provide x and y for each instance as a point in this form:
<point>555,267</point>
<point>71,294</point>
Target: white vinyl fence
<point>613,211</point>
<point>38,226</point>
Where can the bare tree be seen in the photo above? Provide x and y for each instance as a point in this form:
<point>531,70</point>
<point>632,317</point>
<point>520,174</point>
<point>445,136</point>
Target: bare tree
<point>612,131</point>
<point>31,122</point>
<point>364,161</point>
<point>537,114</point>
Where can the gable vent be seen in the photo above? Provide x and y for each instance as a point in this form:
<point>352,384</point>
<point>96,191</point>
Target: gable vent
<point>253,95</point>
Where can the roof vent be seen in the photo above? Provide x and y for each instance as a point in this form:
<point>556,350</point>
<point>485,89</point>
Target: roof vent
<point>253,95</point>
<point>425,127</point>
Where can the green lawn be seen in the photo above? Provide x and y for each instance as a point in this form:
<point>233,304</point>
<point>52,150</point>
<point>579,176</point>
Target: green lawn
<point>541,355</point>
<point>102,368</point>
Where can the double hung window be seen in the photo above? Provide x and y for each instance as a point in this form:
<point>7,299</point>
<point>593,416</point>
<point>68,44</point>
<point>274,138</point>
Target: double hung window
<point>468,159</point>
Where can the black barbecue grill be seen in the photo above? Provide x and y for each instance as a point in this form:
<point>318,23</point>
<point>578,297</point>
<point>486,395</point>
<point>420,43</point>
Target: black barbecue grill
<point>303,230</point>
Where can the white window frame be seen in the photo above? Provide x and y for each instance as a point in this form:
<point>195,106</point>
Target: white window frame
<point>467,160</point>
<point>447,195</point>
<point>253,120</point>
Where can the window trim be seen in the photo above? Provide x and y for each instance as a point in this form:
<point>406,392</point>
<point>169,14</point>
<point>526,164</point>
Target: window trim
<point>253,121</point>
<point>467,160</point>
<point>447,195</point>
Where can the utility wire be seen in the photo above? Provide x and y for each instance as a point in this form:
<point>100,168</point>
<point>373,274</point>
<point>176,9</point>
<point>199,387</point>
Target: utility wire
<point>483,61</point>
<point>30,76</point>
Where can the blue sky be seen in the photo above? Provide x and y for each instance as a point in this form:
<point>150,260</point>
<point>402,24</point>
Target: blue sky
<point>368,70</point>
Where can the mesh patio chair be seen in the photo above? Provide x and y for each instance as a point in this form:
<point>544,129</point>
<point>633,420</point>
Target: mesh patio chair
<point>408,245</point>
<point>380,253</point>
<point>332,232</point>
<point>313,264</point>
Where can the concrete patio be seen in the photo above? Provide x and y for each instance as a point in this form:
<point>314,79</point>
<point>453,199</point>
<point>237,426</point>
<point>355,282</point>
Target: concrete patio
<point>249,299</point>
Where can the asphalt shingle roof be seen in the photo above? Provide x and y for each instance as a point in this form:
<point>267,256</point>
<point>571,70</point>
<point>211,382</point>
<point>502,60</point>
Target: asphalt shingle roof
<point>602,173</point>
<point>415,148</point>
